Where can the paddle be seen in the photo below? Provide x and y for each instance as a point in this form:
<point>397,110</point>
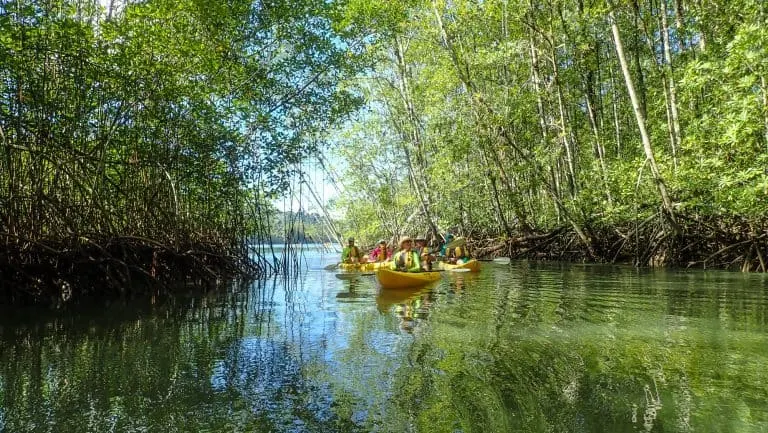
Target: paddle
<point>331,267</point>
<point>353,275</point>
<point>499,260</point>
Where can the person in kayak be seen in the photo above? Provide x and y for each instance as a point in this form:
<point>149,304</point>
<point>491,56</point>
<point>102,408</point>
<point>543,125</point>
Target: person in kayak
<point>455,250</point>
<point>444,248</point>
<point>351,253</point>
<point>406,260</point>
<point>381,253</point>
<point>424,256</point>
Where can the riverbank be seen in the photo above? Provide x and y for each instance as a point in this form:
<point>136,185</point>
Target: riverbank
<point>699,243</point>
<point>63,271</point>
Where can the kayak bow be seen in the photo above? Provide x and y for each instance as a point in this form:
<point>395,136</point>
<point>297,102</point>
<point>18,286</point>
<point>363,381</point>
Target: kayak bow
<point>472,265</point>
<point>389,279</point>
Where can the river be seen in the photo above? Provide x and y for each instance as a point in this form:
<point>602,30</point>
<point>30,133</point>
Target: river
<point>526,347</point>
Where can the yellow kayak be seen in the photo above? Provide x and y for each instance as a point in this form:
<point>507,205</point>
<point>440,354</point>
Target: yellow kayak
<point>390,279</point>
<point>363,266</point>
<point>473,265</point>
<point>349,266</point>
<point>376,266</point>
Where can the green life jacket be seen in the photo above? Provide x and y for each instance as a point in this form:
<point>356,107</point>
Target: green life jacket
<point>406,261</point>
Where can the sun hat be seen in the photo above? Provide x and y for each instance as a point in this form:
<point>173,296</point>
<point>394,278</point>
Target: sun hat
<point>405,239</point>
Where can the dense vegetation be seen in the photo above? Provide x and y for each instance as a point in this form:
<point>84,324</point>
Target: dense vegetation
<point>143,141</point>
<point>607,130</point>
<point>146,139</point>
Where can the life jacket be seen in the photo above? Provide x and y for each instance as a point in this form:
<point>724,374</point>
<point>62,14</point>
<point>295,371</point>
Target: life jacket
<point>403,259</point>
<point>457,252</point>
<point>382,254</point>
<point>354,251</point>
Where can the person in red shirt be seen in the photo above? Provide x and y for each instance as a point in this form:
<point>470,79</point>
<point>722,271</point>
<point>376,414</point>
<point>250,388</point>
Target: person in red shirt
<point>381,253</point>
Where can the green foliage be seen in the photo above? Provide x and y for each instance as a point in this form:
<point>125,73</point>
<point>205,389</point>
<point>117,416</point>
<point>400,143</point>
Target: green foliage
<point>519,112</point>
<point>162,118</point>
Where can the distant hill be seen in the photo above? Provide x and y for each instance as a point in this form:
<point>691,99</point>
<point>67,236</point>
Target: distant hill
<point>299,227</point>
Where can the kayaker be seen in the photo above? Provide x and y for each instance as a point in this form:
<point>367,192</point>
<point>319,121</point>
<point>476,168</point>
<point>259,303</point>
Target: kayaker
<point>351,253</point>
<point>423,250</point>
<point>381,253</point>
<point>443,249</point>
<point>406,260</point>
<point>457,253</point>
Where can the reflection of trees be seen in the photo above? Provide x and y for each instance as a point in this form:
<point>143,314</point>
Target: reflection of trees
<point>540,348</point>
<point>218,363</point>
<point>570,350</point>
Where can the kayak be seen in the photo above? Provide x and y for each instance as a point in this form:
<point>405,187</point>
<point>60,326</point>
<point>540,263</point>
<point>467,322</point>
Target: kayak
<point>389,279</point>
<point>351,266</point>
<point>473,265</point>
<point>377,265</point>
<point>363,266</point>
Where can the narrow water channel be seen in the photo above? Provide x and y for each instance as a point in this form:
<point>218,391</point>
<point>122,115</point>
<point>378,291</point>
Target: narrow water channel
<point>526,347</point>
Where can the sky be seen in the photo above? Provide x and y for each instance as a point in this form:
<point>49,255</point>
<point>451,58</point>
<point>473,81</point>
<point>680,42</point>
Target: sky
<point>320,183</point>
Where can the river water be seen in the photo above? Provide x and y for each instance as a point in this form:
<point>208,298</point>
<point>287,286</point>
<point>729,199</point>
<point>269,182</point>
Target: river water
<point>526,347</point>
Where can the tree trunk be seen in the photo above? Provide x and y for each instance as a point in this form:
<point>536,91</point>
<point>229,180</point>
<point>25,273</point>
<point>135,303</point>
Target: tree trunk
<point>496,201</point>
<point>539,93</point>
<point>702,32</point>
<point>765,107</point>
<point>676,133</point>
<point>638,67</point>
<point>666,201</point>
<point>615,109</point>
<point>564,129</point>
<point>600,150</point>
<point>679,24</point>
<point>420,184</point>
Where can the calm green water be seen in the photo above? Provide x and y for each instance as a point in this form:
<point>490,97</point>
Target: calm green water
<point>521,348</point>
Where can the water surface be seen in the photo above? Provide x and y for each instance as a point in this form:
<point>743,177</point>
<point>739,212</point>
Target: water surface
<point>527,347</point>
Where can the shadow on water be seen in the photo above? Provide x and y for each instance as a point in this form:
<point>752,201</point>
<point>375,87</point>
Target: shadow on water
<point>527,347</point>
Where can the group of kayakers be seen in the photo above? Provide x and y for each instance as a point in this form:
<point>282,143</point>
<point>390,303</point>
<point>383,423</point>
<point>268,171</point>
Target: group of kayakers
<point>409,257</point>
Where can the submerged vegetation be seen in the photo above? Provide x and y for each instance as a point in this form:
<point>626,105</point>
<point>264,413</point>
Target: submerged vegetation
<point>142,143</point>
<point>609,131</point>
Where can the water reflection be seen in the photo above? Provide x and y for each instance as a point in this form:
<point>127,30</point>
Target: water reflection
<point>410,306</point>
<point>354,290</point>
<point>526,347</point>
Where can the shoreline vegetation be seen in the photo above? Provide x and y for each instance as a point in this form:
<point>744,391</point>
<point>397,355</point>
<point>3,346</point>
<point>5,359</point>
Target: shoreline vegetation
<point>136,154</point>
<point>55,272</point>
<point>142,144</point>
<point>633,132</point>
<point>734,246</point>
